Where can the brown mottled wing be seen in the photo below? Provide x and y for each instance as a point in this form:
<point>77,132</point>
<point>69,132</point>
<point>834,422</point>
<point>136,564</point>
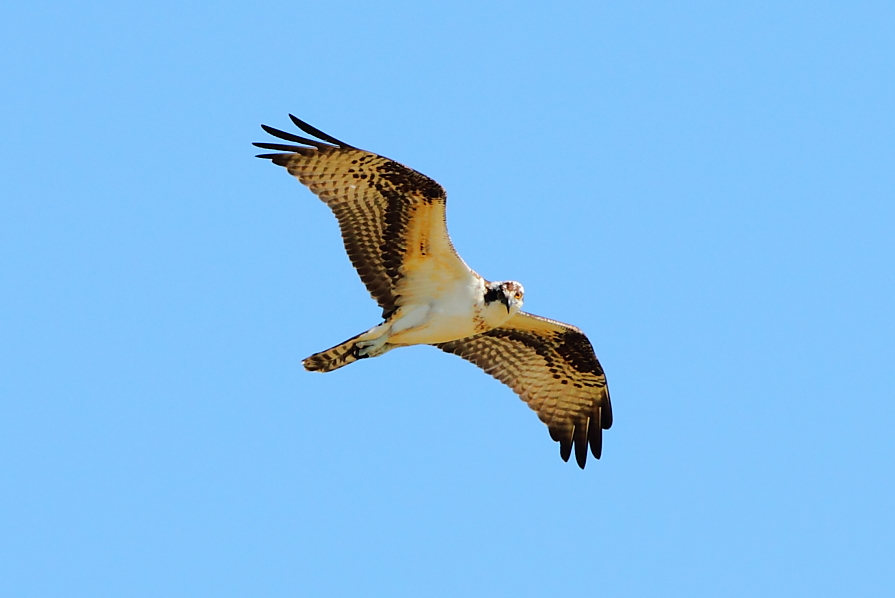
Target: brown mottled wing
<point>553,368</point>
<point>391,216</point>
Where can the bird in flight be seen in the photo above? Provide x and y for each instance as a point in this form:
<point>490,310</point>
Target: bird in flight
<point>392,220</point>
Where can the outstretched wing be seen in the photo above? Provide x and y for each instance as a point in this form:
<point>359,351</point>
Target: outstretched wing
<point>553,368</point>
<point>392,217</point>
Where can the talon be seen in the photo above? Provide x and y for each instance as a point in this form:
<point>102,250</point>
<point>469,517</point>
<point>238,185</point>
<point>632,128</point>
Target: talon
<point>363,349</point>
<point>370,348</point>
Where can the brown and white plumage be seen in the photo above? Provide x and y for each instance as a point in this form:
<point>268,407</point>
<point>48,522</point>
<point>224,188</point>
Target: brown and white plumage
<point>392,220</point>
<point>392,217</point>
<point>552,367</point>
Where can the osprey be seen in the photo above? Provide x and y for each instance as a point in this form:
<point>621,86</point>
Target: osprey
<point>393,225</point>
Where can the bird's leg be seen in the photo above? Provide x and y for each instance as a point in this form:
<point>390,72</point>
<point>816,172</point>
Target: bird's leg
<point>372,348</point>
<point>373,342</point>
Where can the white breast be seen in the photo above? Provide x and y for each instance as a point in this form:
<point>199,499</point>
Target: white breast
<point>456,311</point>
<point>453,311</point>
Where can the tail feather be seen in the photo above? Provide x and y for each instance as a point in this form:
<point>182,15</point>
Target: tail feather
<point>334,358</point>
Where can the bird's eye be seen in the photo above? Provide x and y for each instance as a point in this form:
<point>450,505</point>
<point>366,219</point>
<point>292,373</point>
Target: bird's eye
<point>518,295</point>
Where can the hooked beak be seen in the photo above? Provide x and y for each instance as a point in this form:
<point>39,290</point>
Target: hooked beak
<point>506,302</point>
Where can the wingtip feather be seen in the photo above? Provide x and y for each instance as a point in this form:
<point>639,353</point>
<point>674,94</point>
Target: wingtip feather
<point>285,135</point>
<point>606,412</point>
<point>595,438</point>
<point>565,449</point>
<point>580,441</point>
<point>311,130</point>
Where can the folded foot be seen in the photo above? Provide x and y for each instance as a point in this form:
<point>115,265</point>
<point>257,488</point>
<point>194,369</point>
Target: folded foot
<point>371,348</point>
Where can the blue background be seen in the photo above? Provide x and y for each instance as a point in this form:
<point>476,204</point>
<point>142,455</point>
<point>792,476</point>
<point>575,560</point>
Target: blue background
<point>705,188</point>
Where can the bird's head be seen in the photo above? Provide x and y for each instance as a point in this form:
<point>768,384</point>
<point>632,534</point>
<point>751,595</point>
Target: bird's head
<point>507,294</point>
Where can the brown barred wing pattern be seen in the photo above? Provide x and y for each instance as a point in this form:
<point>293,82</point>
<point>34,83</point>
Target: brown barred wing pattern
<point>553,368</point>
<point>391,217</point>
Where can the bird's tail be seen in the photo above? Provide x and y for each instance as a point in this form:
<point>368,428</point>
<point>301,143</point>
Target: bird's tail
<point>332,359</point>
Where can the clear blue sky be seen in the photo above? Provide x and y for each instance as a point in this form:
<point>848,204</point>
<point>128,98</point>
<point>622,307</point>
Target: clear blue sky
<point>706,189</point>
